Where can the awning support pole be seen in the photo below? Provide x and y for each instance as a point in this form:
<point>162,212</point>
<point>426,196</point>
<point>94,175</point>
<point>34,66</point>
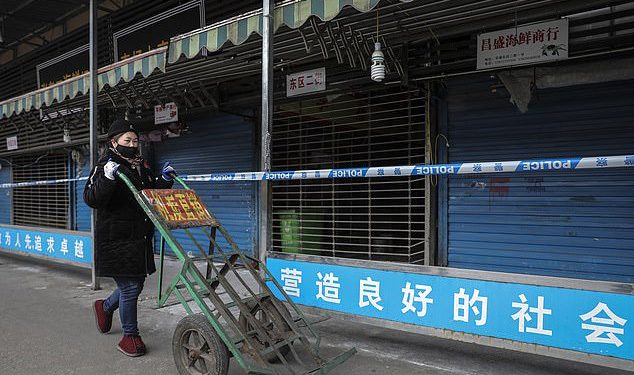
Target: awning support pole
<point>93,122</point>
<point>267,119</point>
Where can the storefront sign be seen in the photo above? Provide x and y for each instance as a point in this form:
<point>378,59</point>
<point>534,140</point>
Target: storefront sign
<point>179,208</point>
<point>71,64</point>
<point>67,246</point>
<point>12,143</point>
<point>585,321</point>
<point>156,31</point>
<point>523,45</point>
<point>165,114</point>
<point>306,82</point>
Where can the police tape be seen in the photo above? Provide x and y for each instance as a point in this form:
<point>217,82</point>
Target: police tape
<point>570,164</point>
<point>424,169</point>
<point>40,183</point>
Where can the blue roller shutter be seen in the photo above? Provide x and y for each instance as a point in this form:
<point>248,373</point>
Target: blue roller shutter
<point>217,144</point>
<point>82,219</point>
<point>568,224</point>
<point>5,194</point>
<point>82,211</point>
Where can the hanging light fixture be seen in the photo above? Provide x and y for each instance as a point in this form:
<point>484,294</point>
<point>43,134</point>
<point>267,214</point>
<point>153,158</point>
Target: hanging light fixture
<point>377,69</point>
<point>378,64</point>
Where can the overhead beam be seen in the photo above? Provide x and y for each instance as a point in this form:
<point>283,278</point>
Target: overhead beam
<point>106,10</point>
<point>118,6</point>
<point>22,5</point>
<point>37,45</point>
<point>7,15</point>
<point>39,36</point>
<point>60,21</point>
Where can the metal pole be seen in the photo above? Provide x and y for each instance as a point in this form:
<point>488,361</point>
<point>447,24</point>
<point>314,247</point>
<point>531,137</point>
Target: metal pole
<point>267,119</point>
<point>93,121</point>
<point>430,185</point>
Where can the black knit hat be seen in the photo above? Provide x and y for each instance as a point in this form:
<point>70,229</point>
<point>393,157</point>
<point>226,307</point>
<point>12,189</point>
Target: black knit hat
<point>121,126</point>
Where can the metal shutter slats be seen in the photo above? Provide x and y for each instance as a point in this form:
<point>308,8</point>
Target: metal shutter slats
<point>375,219</point>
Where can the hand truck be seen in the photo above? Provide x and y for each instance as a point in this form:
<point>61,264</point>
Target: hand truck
<point>240,315</point>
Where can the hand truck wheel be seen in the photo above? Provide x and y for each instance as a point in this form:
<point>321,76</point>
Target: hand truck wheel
<point>197,348</point>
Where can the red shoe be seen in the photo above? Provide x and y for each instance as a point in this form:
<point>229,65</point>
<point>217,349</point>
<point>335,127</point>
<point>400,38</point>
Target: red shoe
<point>132,346</point>
<point>102,318</point>
<point>140,345</point>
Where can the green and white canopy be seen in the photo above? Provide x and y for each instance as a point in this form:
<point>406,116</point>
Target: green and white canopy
<point>110,75</point>
<point>292,14</point>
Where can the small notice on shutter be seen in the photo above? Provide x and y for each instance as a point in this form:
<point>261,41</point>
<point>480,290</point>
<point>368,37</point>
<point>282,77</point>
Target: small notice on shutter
<point>12,143</point>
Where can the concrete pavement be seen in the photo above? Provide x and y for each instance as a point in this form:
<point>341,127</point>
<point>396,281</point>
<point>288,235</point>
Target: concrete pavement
<point>47,327</point>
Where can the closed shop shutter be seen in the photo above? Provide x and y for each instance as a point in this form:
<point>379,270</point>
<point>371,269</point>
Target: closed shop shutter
<point>81,168</point>
<point>45,205</point>
<point>217,144</point>
<point>5,194</point>
<point>362,218</point>
<point>568,224</point>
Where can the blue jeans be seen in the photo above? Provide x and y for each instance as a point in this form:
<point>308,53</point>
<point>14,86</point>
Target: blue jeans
<point>125,298</point>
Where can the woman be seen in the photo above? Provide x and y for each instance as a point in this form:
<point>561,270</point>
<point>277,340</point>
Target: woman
<point>123,233</point>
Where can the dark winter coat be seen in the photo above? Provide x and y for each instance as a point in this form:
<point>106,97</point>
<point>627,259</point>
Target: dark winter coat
<point>123,233</point>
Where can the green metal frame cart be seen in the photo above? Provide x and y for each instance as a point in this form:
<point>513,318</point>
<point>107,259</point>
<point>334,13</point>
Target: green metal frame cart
<point>240,315</point>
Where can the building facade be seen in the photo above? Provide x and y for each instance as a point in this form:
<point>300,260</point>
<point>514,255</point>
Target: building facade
<point>455,91</point>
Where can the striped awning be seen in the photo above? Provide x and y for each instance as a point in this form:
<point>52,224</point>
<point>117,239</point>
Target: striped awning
<point>237,30</point>
<point>110,75</point>
<point>125,70</point>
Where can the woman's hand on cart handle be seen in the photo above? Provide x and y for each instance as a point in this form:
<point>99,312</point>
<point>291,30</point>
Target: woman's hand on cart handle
<point>110,169</point>
<point>168,172</point>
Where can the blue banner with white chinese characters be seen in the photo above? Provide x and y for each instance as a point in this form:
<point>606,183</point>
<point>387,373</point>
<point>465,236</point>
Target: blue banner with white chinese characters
<point>63,245</point>
<point>585,321</point>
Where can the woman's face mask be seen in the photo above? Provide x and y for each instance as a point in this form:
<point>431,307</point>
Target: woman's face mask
<point>127,145</point>
<point>127,152</point>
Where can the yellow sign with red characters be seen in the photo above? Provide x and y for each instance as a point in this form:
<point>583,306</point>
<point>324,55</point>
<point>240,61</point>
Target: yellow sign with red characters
<point>179,208</point>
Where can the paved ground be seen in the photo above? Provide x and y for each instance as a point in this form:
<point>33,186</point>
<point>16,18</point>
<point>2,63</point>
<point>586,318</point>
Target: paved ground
<point>47,327</point>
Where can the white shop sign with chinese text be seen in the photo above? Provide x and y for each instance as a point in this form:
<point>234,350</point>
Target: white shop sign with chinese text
<point>165,114</point>
<point>584,321</point>
<point>12,143</point>
<point>306,82</point>
<point>522,45</point>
